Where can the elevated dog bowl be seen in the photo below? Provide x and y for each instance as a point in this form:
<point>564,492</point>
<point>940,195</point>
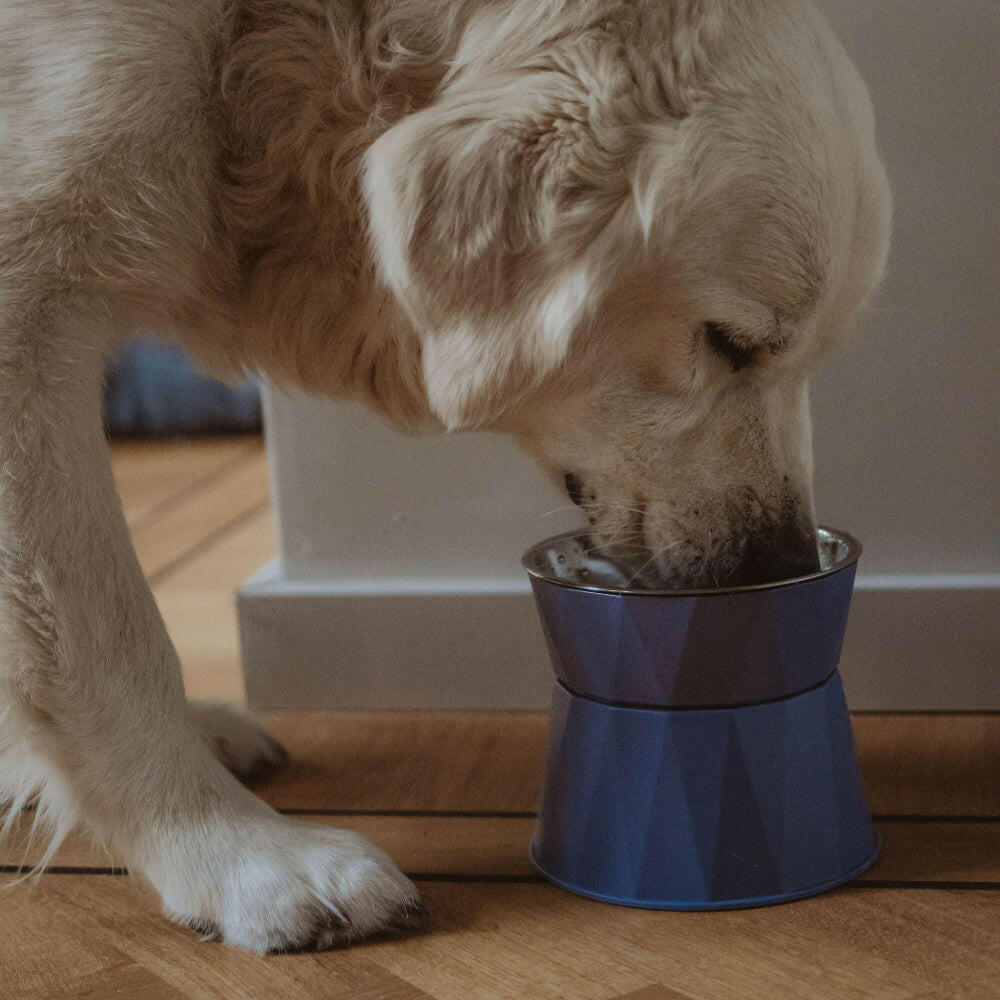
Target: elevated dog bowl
<point>700,751</point>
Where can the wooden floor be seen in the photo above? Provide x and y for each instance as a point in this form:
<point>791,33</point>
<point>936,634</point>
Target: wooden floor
<point>451,796</point>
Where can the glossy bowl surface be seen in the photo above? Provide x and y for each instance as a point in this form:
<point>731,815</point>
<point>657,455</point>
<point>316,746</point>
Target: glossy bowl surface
<point>690,648</point>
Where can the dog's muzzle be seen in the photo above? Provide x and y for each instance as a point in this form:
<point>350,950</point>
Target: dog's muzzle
<point>778,552</point>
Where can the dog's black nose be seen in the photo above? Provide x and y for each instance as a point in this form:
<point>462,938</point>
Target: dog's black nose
<point>574,487</point>
<point>782,552</point>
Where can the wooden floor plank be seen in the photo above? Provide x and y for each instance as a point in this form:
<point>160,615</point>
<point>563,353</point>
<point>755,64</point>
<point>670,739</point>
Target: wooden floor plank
<point>43,953</point>
<point>534,941</point>
<point>128,981</point>
<point>919,763</point>
<point>185,528</point>
<point>940,852</point>
<point>153,475</point>
<point>197,605</point>
<point>209,971</point>
<point>408,760</point>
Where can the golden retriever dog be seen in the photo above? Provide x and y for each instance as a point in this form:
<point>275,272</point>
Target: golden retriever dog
<point>621,231</point>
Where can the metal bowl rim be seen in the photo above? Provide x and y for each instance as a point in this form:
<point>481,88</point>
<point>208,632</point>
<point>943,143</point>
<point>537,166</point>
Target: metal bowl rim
<point>850,558</point>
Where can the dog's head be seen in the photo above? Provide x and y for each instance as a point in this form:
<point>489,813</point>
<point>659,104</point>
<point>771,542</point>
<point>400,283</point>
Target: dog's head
<point>627,244</point>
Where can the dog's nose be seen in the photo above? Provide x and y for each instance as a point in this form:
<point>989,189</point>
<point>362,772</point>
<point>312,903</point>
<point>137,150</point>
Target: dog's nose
<point>780,552</point>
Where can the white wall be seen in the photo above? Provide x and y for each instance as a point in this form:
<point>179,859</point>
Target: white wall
<point>381,535</point>
<point>357,500</point>
<point>908,422</point>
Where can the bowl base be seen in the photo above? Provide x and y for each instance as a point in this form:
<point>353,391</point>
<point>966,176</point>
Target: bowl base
<point>702,809</point>
<point>715,904</point>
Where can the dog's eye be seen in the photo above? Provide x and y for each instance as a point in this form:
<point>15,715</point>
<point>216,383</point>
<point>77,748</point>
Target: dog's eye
<point>720,339</point>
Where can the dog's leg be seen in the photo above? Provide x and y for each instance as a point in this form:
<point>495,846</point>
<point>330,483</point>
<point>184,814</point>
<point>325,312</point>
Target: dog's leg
<point>94,709</point>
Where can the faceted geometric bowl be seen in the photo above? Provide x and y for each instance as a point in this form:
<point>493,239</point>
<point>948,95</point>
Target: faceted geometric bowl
<point>700,751</point>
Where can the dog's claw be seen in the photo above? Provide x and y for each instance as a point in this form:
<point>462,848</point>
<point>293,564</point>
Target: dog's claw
<point>411,915</point>
<point>335,917</point>
<point>205,929</point>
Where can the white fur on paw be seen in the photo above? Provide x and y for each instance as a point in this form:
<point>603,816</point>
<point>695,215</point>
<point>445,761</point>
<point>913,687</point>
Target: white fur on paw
<point>296,886</point>
<point>241,746</point>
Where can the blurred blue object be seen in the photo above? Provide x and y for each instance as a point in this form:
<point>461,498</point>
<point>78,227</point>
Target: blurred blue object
<point>152,388</point>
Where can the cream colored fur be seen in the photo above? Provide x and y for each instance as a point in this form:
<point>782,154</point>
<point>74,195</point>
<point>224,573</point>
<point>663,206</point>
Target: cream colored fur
<point>620,231</point>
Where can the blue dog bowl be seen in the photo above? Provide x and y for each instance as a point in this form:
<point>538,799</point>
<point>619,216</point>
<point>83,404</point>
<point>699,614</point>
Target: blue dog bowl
<point>700,751</point>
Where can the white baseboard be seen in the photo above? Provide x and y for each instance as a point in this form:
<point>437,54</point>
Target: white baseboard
<point>913,644</point>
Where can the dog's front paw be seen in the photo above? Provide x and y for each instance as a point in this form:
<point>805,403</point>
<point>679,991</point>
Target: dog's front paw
<point>245,749</point>
<point>284,885</point>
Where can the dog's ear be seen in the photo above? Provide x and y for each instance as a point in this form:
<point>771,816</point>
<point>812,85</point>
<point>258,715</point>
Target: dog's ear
<point>498,217</point>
